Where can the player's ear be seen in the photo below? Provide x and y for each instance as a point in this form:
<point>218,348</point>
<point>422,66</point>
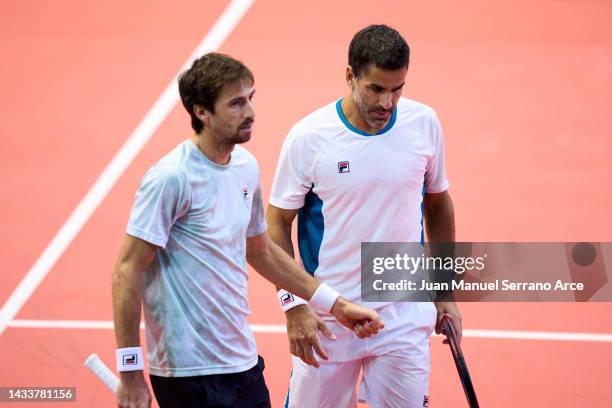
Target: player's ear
<point>201,113</point>
<point>350,77</point>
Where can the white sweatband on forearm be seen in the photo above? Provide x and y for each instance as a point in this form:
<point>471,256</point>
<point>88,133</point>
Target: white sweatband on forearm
<point>288,300</point>
<point>129,359</point>
<point>324,298</point>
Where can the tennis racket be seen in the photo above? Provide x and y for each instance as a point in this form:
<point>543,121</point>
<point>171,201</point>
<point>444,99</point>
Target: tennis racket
<point>462,369</point>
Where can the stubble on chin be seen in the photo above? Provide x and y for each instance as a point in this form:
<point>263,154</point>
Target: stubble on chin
<point>375,124</point>
<point>238,138</point>
<point>242,139</point>
<point>232,137</point>
<point>365,114</point>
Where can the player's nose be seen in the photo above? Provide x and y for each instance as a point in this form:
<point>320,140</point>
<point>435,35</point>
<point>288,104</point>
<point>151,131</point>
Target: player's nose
<point>386,100</point>
<point>249,110</point>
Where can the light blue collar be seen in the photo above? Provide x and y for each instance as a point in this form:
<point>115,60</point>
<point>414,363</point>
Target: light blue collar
<point>359,131</point>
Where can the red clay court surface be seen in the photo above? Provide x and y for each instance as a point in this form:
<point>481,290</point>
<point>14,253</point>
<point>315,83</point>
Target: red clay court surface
<point>522,90</point>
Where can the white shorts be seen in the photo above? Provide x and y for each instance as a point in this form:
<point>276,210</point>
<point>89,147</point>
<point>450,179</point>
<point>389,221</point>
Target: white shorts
<point>395,364</point>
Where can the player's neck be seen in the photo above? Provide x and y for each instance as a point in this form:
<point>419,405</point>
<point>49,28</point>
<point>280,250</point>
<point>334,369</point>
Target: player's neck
<point>352,114</point>
<point>216,153</point>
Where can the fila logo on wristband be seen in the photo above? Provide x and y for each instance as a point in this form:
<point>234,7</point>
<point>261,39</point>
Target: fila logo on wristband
<point>129,359</point>
<point>288,300</point>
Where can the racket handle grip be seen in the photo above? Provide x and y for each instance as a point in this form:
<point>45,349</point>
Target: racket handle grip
<point>101,371</point>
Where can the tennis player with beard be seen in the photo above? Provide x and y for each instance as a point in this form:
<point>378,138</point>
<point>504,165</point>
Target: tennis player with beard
<point>368,167</point>
<point>196,221</point>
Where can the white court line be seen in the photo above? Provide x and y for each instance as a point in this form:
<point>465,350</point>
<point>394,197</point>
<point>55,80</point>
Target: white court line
<point>277,328</point>
<point>226,23</point>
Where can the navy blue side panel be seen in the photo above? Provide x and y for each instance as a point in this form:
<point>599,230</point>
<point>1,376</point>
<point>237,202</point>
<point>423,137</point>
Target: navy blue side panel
<point>310,231</point>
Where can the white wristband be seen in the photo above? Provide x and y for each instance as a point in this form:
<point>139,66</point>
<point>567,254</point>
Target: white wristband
<point>129,359</point>
<point>324,298</point>
<point>288,300</point>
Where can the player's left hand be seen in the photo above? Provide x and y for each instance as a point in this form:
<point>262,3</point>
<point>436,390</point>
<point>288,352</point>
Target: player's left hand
<point>451,310</point>
<point>363,321</point>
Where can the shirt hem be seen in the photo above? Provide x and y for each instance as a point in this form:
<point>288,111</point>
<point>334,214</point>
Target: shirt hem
<point>436,190</point>
<point>197,371</point>
<point>258,230</point>
<point>146,236</point>
<point>285,205</point>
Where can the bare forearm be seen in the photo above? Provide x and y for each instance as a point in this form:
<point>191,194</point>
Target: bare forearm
<point>282,270</point>
<point>133,259</point>
<point>280,234</point>
<point>440,221</point>
<point>127,303</point>
<point>440,226</point>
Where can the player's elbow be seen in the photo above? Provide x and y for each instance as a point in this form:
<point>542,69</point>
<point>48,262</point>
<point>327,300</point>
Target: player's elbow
<point>120,275</point>
<point>258,260</point>
<point>257,250</point>
<point>125,276</point>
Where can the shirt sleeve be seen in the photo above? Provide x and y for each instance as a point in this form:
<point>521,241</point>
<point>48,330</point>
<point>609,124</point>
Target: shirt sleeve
<point>257,225</point>
<point>435,172</point>
<point>163,197</point>
<point>293,178</point>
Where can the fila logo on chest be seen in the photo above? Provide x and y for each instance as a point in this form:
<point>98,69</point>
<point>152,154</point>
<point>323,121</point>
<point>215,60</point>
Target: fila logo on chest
<point>344,167</point>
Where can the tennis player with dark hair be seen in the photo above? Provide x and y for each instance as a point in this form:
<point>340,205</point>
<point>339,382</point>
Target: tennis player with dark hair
<point>196,221</point>
<point>365,168</point>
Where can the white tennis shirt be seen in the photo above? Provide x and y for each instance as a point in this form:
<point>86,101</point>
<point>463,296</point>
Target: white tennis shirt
<point>199,214</point>
<point>351,187</point>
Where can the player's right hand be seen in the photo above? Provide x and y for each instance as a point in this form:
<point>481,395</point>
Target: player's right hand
<point>133,391</point>
<point>362,321</point>
<point>303,328</point>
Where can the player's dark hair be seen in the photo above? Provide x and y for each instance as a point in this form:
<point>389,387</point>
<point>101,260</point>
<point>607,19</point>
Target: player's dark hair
<point>203,82</point>
<point>380,45</point>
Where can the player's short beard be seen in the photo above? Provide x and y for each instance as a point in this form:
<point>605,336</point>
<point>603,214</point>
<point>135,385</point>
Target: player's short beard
<point>365,112</point>
<point>233,138</point>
